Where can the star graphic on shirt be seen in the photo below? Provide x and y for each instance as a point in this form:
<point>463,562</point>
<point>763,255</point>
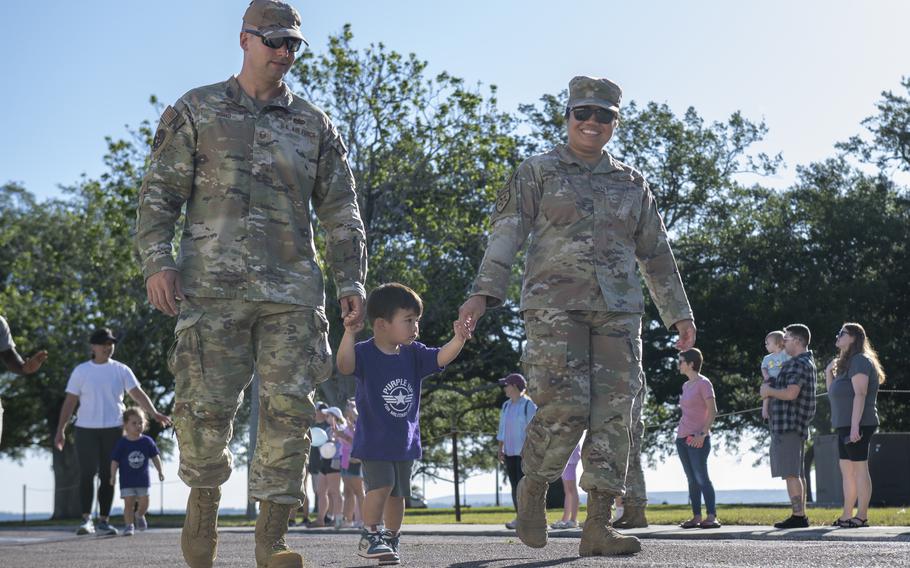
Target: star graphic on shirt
<point>400,398</point>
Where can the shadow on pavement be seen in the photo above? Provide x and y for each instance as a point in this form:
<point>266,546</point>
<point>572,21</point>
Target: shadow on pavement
<point>534,564</point>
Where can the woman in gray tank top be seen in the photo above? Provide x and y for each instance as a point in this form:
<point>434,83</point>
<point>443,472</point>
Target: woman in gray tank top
<point>853,378</point>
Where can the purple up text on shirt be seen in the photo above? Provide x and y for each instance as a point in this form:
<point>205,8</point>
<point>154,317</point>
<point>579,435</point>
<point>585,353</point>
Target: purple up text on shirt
<point>398,395</point>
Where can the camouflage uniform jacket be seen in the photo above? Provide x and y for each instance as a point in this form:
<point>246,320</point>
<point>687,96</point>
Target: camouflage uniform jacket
<point>248,174</point>
<point>586,229</point>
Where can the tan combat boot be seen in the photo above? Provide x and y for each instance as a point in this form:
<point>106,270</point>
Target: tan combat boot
<point>600,539</point>
<point>199,539</point>
<point>532,512</point>
<point>271,526</point>
<point>633,517</point>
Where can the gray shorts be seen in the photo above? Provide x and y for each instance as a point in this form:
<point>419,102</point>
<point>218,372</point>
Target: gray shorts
<point>395,474</point>
<point>134,491</point>
<point>787,455</point>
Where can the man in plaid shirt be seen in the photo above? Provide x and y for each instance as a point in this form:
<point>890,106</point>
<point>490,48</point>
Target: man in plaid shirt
<point>792,395</point>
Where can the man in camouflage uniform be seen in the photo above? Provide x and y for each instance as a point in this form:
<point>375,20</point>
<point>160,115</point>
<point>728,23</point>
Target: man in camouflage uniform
<point>248,158</point>
<point>588,219</point>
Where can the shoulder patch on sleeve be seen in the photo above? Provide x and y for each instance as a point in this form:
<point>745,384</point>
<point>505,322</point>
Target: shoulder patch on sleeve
<point>505,194</point>
<point>160,137</point>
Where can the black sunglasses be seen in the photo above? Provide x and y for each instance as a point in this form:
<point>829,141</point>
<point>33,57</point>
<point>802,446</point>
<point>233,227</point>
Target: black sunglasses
<point>601,115</point>
<point>293,43</point>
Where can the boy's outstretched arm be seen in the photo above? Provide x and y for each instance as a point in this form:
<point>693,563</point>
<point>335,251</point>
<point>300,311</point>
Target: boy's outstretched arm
<point>450,350</point>
<point>114,467</point>
<point>346,360</point>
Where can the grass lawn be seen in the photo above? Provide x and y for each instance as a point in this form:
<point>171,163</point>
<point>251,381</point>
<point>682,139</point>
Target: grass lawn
<point>657,515</point>
<point>666,515</point>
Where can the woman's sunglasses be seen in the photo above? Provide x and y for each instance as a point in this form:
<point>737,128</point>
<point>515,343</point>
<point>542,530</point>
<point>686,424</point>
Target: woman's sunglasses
<point>603,116</point>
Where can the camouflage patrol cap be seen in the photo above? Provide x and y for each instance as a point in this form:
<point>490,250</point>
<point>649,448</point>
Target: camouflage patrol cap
<point>593,91</point>
<point>274,19</point>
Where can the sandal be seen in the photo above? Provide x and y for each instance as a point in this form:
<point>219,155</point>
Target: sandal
<point>842,523</point>
<point>855,523</point>
<point>715,524</point>
<point>690,524</point>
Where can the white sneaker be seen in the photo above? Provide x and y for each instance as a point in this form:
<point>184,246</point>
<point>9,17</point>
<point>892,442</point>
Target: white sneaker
<point>129,530</point>
<point>141,523</point>
<point>87,527</point>
<point>617,513</point>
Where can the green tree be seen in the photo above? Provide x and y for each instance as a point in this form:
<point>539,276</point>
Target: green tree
<point>888,142</point>
<point>69,268</point>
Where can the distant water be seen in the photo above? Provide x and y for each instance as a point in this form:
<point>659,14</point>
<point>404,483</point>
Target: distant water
<point>730,497</point>
<point>741,497</point>
<point>115,511</point>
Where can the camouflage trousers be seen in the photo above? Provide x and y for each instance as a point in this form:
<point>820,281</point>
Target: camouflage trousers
<point>219,344</point>
<point>636,493</point>
<point>584,372</point>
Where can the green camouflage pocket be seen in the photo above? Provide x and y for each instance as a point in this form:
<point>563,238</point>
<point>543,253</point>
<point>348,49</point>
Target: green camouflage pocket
<point>184,358</point>
<point>537,442</point>
<point>320,365</point>
<point>544,346</point>
<point>636,372</point>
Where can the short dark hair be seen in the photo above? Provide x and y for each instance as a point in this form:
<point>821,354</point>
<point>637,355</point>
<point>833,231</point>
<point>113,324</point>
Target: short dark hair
<point>693,357</point>
<point>801,331</point>
<point>387,299</point>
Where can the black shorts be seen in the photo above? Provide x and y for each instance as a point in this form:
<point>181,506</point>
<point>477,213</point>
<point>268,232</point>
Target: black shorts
<point>395,474</point>
<point>327,468</point>
<point>857,451</point>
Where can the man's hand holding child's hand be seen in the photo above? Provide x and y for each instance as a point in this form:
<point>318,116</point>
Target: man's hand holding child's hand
<point>353,322</point>
<point>461,330</point>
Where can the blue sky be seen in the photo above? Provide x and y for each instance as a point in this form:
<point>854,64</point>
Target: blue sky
<point>75,72</point>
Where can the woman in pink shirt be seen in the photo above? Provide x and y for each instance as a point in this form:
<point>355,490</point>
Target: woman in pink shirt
<point>693,437</point>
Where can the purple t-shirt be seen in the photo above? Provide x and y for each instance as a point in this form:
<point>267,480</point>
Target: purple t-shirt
<point>388,400</point>
<point>133,457</point>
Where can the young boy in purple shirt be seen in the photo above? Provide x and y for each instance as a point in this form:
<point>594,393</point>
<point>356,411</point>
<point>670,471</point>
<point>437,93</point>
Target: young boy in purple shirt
<point>389,369</point>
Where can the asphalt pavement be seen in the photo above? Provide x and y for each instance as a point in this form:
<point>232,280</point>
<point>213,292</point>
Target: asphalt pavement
<point>477,546</point>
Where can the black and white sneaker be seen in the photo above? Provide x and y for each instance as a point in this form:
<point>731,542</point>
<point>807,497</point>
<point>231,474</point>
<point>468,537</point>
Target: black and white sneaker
<point>373,545</point>
<point>794,522</point>
<point>104,528</point>
<point>393,542</point>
